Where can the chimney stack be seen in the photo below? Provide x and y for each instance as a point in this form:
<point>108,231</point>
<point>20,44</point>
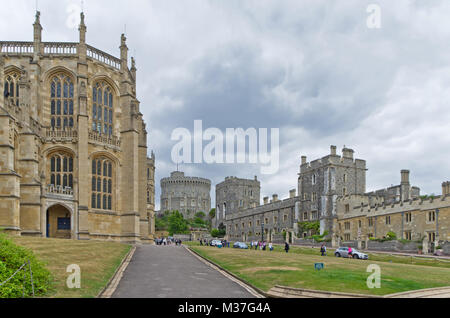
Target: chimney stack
<point>266,200</point>
<point>446,188</point>
<point>292,193</point>
<point>347,153</point>
<point>304,160</point>
<point>333,150</point>
<point>275,197</point>
<point>405,176</point>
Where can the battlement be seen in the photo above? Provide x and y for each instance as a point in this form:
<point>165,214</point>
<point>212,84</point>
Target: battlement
<point>274,205</point>
<point>398,207</point>
<point>178,177</point>
<point>333,159</point>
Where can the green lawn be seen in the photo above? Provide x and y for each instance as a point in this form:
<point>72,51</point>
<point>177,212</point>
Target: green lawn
<point>98,261</point>
<point>264,269</point>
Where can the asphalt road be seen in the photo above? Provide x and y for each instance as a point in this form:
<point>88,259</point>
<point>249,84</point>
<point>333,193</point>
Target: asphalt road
<point>173,272</point>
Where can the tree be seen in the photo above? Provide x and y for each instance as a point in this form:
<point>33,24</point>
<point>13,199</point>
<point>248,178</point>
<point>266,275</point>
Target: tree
<point>200,215</point>
<point>215,233</point>
<point>212,214</point>
<point>177,224</point>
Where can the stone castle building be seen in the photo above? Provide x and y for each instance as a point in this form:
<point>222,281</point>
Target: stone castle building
<point>322,181</point>
<point>332,191</point>
<point>73,143</point>
<point>267,221</point>
<point>234,195</point>
<point>398,209</point>
<point>188,195</point>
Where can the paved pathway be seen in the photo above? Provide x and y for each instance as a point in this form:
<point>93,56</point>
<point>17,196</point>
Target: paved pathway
<point>173,272</point>
<point>443,292</point>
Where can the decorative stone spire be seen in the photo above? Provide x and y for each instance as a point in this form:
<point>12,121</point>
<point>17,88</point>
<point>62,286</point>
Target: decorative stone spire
<point>82,29</point>
<point>37,38</point>
<point>133,69</point>
<point>124,52</point>
<point>37,28</point>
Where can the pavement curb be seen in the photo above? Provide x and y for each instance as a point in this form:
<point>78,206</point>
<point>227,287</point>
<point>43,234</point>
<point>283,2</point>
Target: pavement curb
<point>258,293</point>
<point>111,287</point>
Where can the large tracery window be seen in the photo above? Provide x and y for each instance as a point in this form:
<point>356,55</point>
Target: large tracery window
<point>62,93</point>
<point>102,109</point>
<point>102,184</point>
<point>61,170</point>
<point>11,90</point>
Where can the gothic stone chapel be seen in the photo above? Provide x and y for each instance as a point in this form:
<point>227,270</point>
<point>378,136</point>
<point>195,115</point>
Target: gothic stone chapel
<point>73,143</point>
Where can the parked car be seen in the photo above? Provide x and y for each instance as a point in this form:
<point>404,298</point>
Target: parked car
<point>343,252</point>
<point>240,245</point>
<point>215,243</point>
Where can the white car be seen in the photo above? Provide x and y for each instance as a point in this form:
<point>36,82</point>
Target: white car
<point>215,243</point>
<point>343,252</point>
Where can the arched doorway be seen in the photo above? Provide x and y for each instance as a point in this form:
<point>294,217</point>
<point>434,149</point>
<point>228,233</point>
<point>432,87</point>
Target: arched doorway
<point>59,223</point>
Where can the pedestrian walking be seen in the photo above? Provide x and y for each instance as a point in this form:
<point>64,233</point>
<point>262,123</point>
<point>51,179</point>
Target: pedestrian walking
<point>286,247</point>
<point>264,246</point>
<point>270,247</point>
<point>323,250</point>
<point>350,252</point>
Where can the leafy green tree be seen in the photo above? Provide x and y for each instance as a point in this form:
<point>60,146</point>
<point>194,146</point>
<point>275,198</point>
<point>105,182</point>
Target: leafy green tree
<point>177,224</point>
<point>314,227</point>
<point>212,214</point>
<point>215,233</point>
<point>200,215</point>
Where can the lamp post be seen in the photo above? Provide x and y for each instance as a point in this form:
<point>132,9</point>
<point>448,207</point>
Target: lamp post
<point>262,232</point>
<point>437,225</point>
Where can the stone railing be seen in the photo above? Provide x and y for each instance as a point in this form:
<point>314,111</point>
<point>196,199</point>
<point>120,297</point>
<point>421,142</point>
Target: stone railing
<point>60,48</point>
<point>104,139</point>
<point>60,134</point>
<point>14,47</point>
<point>103,57</point>
<point>59,190</point>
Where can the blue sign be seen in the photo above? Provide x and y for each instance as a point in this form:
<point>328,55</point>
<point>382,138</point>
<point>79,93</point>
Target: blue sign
<point>319,266</point>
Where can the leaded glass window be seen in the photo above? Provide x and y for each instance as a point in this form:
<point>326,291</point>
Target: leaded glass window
<point>11,89</point>
<point>62,102</point>
<point>102,109</point>
<point>102,184</point>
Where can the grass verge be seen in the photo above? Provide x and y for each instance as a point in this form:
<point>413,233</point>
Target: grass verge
<point>98,262</point>
<point>264,270</point>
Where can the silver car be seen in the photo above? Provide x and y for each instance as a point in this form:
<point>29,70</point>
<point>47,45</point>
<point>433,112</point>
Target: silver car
<point>343,252</point>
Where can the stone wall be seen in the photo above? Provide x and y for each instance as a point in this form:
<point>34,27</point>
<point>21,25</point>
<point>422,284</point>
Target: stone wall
<point>446,248</point>
<point>302,242</point>
<point>352,244</point>
<point>394,246</point>
<point>183,237</point>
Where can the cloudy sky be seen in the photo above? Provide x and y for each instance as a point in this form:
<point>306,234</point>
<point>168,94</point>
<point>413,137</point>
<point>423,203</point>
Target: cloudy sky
<point>311,68</point>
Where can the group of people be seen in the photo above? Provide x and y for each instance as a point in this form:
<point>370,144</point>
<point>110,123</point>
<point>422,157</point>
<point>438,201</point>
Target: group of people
<point>168,241</point>
<point>262,246</point>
